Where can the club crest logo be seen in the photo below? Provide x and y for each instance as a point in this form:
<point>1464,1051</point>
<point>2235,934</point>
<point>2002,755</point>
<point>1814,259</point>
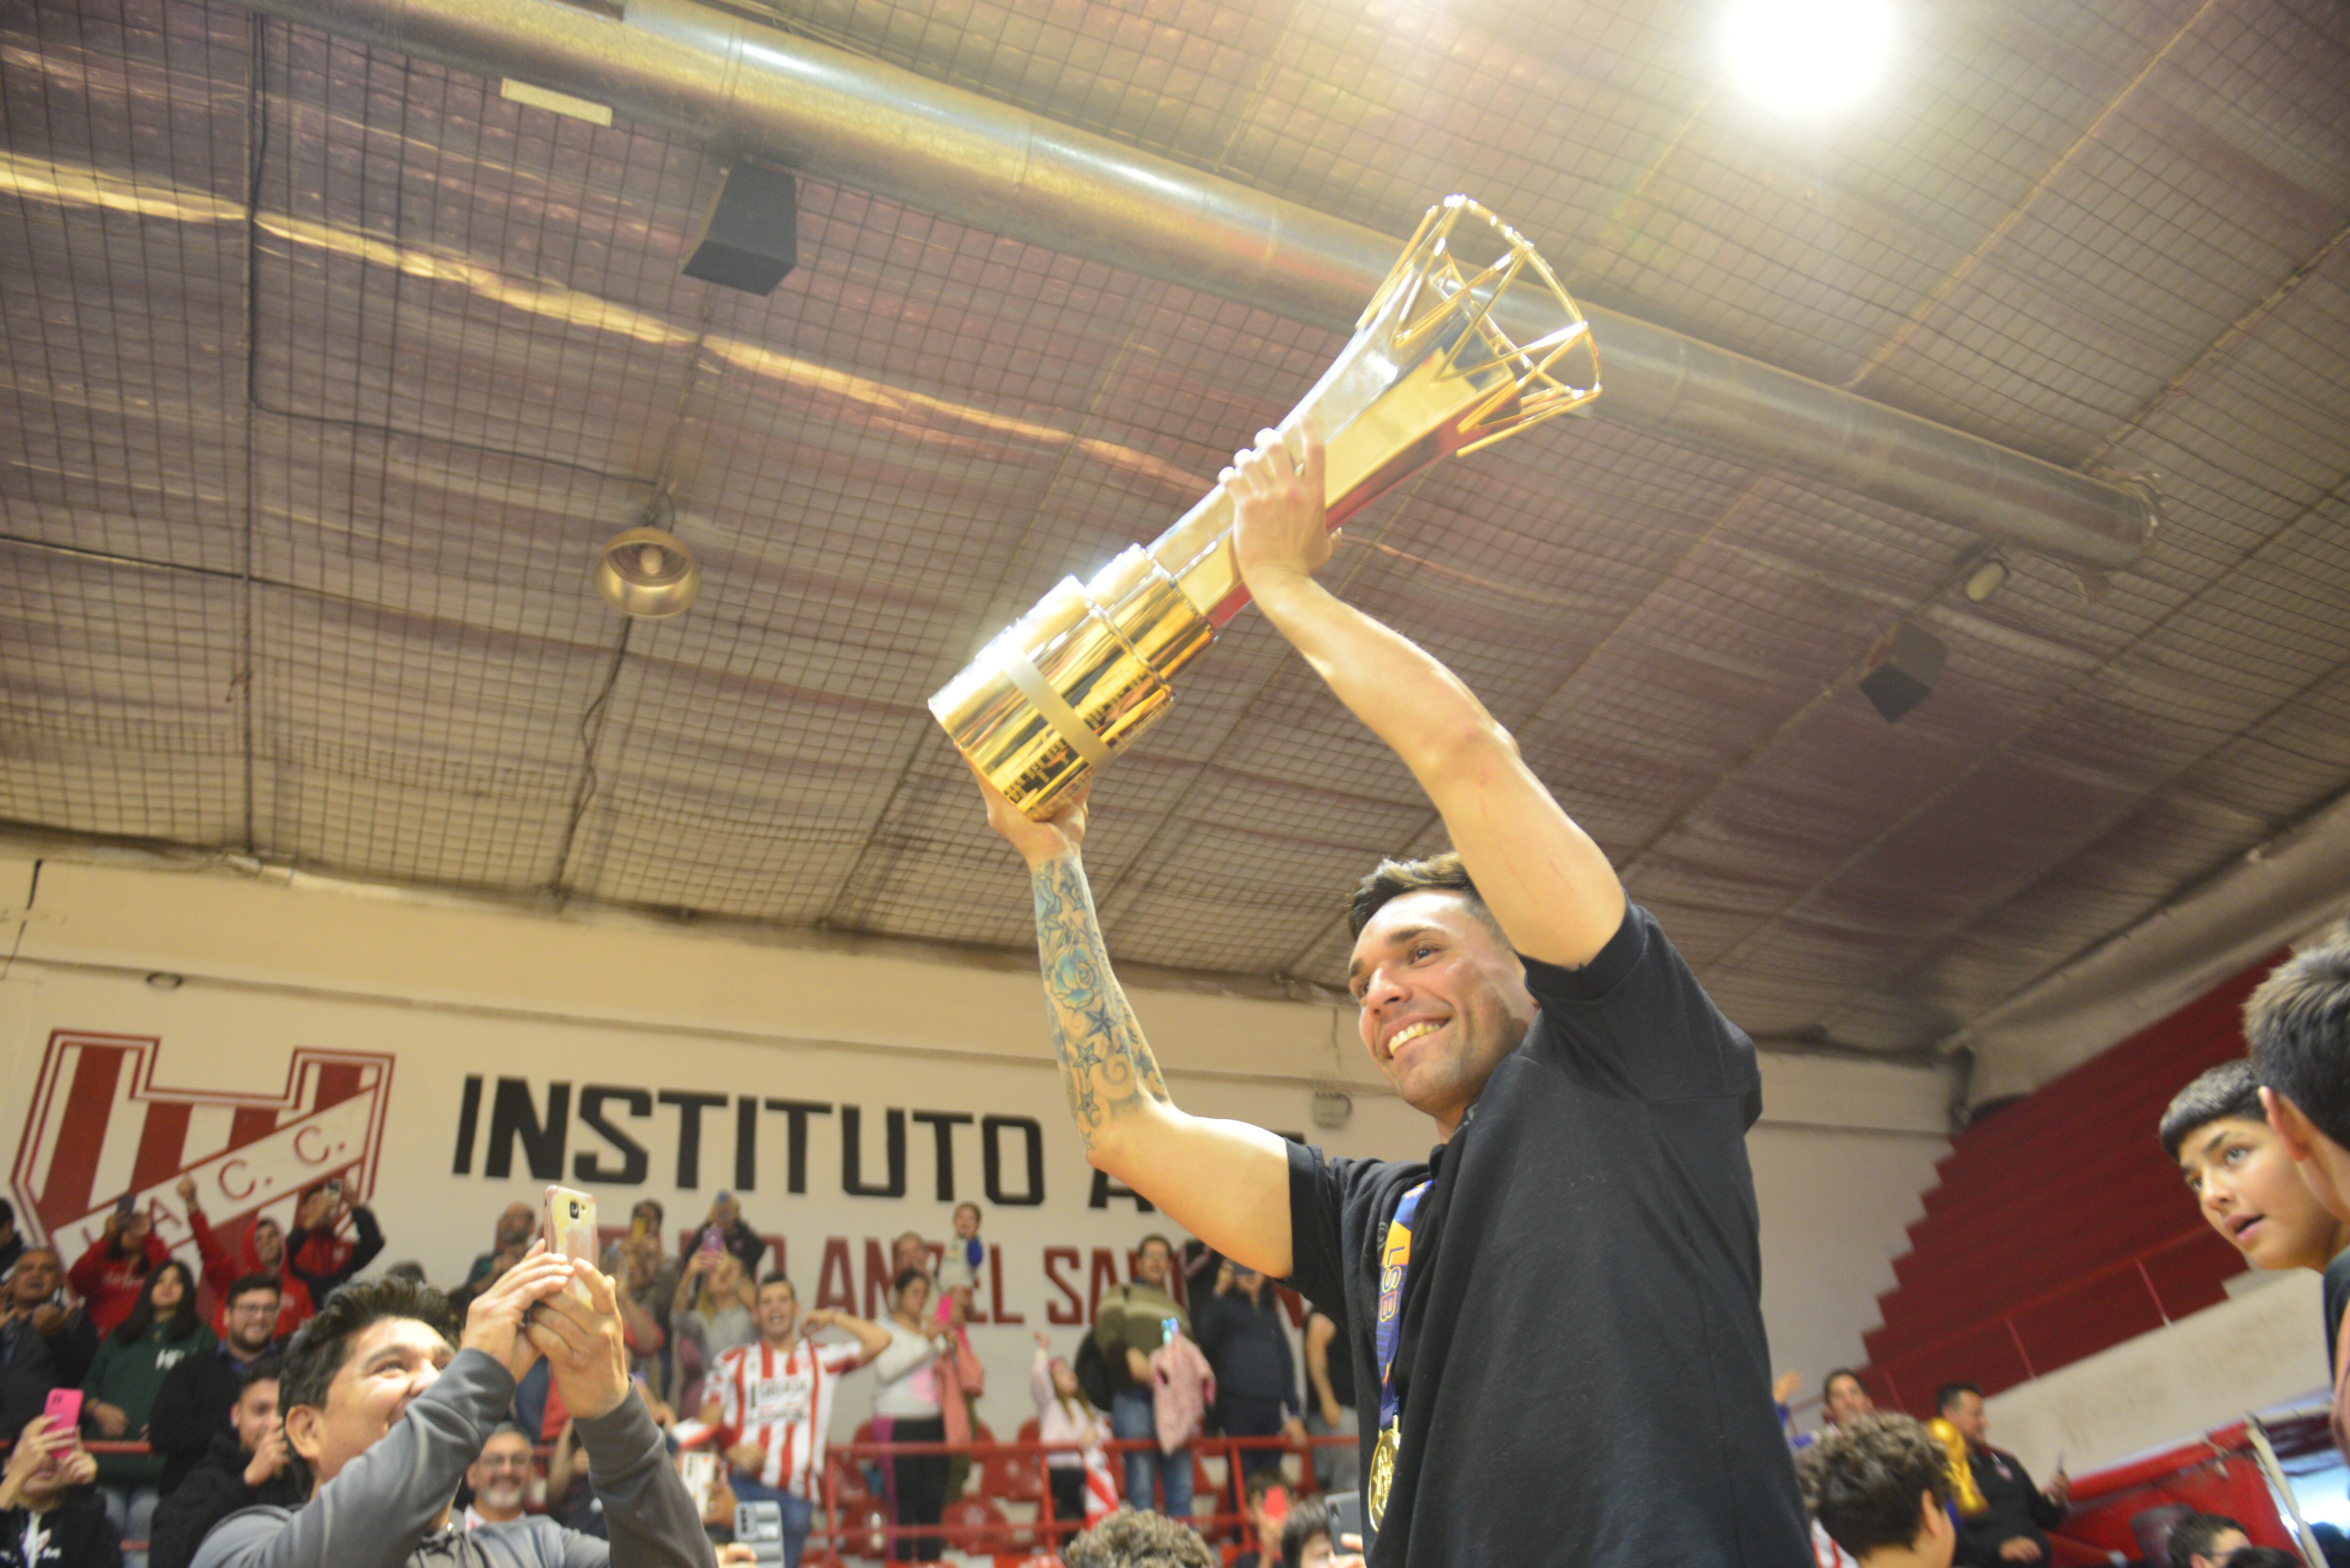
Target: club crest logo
<point>103,1124</point>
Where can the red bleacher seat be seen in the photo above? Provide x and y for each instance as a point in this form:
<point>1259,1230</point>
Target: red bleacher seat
<point>974,1524</point>
<point>1013,1477</point>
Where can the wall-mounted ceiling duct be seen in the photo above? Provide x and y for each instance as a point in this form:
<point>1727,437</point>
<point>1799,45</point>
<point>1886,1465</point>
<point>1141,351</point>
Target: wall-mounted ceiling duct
<point>746,86</point>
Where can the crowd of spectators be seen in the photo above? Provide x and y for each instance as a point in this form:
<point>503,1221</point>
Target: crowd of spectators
<point>280,1404</point>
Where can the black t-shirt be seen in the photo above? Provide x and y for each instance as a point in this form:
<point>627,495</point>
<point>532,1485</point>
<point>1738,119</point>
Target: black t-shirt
<point>1588,1381</point>
<point>2337,1294</point>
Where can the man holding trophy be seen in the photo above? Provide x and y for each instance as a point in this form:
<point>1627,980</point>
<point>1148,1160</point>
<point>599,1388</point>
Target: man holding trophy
<point>1559,1309</point>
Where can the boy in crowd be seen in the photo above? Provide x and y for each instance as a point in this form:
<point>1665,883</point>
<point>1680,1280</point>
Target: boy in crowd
<point>2245,1180</point>
<point>2298,1024</point>
<point>246,1466</point>
<point>1881,1487</point>
<point>2205,1541</point>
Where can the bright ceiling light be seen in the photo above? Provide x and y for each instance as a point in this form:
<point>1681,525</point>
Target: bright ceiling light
<point>1809,58</point>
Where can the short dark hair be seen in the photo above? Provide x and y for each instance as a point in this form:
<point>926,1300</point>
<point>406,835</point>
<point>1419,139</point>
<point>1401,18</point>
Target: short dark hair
<point>1827,1384</point>
<point>974,1207</point>
<point>2193,1535</point>
<point>1948,1395</point>
<point>267,1367</point>
<point>905,1277</point>
<point>1867,1481</point>
<point>7,1212</point>
<point>2298,1022</point>
<point>2263,1557</point>
<point>1392,879</point>
<point>1308,1520</point>
<point>777,1277</point>
<point>323,1344</point>
<point>256,1282</point>
<point>2229,1092</point>
<point>1130,1539</point>
<point>1162,1240</point>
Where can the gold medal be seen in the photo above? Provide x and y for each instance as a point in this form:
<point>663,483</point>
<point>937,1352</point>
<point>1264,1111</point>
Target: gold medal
<point>1383,1458</point>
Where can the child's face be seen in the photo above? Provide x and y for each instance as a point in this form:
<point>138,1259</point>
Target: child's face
<point>2246,1184</point>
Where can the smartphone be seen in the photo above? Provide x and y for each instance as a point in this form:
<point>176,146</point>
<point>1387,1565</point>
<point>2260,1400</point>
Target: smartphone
<point>713,1240</point>
<point>640,1226</point>
<point>1169,1330</point>
<point>571,1230</point>
<point>335,1188</point>
<point>1346,1519</point>
<point>760,1526</point>
<point>126,1206</point>
<point>700,1472</point>
<point>63,1409</point>
<point>1276,1511</point>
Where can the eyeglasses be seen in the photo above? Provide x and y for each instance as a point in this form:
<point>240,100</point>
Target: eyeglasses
<point>254,1309</point>
<point>489,1463</point>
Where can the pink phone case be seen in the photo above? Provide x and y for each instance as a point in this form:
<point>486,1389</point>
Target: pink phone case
<point>63,1409</point>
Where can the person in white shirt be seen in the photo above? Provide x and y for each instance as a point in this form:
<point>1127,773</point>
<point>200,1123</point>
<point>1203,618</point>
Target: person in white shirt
<point>500,1476</point>
<point>906,1410</point>
<point>1064,1415</point>
<point>772,1402</point>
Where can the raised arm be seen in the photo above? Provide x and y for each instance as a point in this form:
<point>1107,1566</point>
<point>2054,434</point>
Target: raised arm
<point>1224,1181</point>
<point>873,1339</point>
<point>1547,884</point>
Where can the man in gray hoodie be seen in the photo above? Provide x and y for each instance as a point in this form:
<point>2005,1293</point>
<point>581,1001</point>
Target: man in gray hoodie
<point>387,1406</point>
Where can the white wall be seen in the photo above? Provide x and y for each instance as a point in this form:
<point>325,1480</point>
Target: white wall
<point>2254,1351</point>
<point>424,992</point>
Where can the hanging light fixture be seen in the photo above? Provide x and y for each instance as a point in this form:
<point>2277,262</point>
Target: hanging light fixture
<point>647,572</point>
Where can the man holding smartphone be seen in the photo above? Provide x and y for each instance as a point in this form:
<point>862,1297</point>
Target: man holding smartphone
<point>1555,1318</point>
<point>387,1404</point>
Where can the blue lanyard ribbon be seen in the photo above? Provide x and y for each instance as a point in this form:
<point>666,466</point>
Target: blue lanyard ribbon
<point>1395,1262</point>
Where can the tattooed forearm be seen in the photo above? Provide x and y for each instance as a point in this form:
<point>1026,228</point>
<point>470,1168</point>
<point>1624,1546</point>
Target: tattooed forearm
<point>1106,1064</point>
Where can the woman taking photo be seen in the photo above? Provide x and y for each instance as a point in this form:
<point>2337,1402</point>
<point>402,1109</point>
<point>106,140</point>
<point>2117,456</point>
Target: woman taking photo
<point>161,1330</point>
<point>711,1314</point>
<point>906,1410</point>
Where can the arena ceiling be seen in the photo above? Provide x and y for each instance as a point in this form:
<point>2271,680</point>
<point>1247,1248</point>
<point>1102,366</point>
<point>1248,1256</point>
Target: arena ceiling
<point>328,369</point>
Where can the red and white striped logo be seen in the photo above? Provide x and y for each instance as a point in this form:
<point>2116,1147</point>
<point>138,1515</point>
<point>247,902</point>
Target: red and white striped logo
<point>103,1124</point>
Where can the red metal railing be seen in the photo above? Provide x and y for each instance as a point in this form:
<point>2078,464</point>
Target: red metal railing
<point>2109,1305</point>
<point>834,1539</point>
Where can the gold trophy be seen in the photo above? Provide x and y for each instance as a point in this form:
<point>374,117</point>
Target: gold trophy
<point>1431,370</point>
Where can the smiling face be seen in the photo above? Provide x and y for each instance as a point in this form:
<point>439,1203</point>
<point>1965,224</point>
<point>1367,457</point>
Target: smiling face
<point>268,1245</point>
<point>779,1311</point>
<point>255,1412</point>
<point>387,1363</point>
<point>171,1289</point>
<point>36,1277</point>
<point>2244,1180</point>
<point>500,1476</point>
<point>252,1320</point>
<point>1845,1399</point>
<point>1444,1000</point>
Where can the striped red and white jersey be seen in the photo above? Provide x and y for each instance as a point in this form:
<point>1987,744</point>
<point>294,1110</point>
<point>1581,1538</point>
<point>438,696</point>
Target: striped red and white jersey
<point>783,1403</point>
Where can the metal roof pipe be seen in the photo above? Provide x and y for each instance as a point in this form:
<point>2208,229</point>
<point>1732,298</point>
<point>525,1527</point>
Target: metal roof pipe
<point>744,87</point>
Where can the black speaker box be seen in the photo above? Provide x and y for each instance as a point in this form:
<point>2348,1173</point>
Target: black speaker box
<point>1902,670</point>
<point>751,238</point>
